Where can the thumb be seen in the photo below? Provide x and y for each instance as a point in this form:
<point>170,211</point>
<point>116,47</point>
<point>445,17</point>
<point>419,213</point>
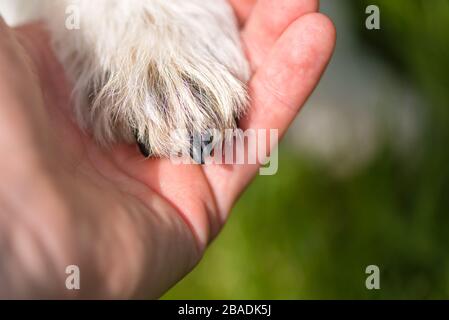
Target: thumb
<point>17,78</point>
<point>22,116</point>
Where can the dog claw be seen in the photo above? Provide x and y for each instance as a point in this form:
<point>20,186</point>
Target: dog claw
<point>196,152</point>
<point>144,150</point>
<point>201,148</point>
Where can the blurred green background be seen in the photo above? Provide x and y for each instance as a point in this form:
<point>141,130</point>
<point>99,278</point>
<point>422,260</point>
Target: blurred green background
<point>342,200</point>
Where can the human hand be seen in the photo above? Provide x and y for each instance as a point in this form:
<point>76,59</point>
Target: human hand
<point>133,226</point>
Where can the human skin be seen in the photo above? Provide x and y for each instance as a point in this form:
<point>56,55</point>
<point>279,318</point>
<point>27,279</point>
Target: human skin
<point>133,226</point>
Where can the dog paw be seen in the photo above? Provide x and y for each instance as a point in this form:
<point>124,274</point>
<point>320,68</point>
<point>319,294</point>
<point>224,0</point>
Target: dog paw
<point>143,70</point>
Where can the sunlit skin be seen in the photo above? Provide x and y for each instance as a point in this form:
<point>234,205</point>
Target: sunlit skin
<point>133,226</point>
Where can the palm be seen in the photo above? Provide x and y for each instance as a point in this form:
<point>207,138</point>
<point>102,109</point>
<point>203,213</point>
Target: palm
<point>287,54</point>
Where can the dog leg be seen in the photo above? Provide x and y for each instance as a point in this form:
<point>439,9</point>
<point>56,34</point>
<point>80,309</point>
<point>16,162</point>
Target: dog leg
<point>143,69</point>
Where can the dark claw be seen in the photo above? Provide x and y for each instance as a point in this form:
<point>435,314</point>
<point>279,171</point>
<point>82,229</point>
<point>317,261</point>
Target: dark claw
<point>196,151</point>
<point>142,148</point>
<point>200,147</point>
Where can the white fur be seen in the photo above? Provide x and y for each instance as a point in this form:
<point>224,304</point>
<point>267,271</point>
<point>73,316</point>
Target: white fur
<point>149,67</point>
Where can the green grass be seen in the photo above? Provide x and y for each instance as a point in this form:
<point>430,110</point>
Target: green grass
<point>305,234</point>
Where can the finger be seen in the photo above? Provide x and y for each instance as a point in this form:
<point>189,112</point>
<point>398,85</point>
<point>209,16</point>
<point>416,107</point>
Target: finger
<point>193,201</point>
<point>268,20</point>
<point>278,90</point>
<point>242,9</point>
<point>291,72</point>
